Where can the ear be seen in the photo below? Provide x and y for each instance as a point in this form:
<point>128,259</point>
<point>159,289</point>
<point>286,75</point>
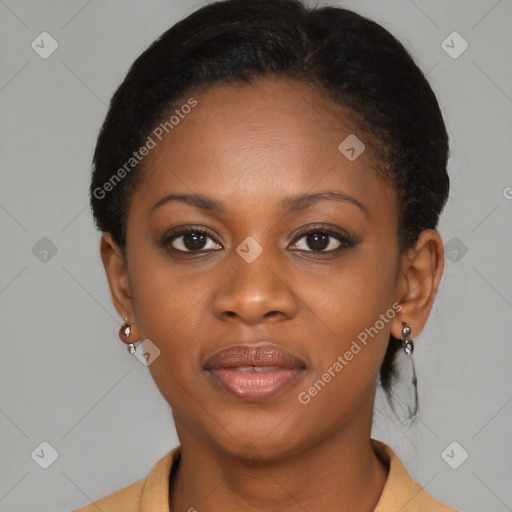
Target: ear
<point>119,284</point>
<point>421,269</point>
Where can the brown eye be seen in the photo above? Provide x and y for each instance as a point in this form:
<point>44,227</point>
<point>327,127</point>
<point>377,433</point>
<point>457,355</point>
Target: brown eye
<point>322,240</point>
<point>192,240</point>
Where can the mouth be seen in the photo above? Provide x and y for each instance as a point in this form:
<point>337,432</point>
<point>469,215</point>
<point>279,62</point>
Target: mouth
<point>254,372</point>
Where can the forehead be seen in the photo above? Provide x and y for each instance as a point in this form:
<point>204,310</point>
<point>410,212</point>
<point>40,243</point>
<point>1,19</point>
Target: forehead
<point>248,143</point>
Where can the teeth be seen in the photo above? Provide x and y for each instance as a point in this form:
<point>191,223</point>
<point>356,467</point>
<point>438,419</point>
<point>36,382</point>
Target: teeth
<point>245,369</point>
<point>259,369</point>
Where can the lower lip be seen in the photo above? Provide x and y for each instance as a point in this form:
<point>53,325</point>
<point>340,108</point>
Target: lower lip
<point>255,385</point>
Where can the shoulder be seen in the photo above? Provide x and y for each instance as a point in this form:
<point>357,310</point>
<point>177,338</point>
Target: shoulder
<point>124,500</point>
<point>401,492</point>
<point>422,501</point>
<point>151,493</point>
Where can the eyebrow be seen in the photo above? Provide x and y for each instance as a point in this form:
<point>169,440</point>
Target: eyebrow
<point>288,204</point>
<point>301,201</point>
<point>203,202</point>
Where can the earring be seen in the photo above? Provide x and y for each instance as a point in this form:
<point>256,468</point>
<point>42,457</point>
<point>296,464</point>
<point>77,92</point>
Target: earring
<point>124,334</point>
<point>407,343</point>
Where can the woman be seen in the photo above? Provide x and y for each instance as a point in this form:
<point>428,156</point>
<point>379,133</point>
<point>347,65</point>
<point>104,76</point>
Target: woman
<point>268,181</point>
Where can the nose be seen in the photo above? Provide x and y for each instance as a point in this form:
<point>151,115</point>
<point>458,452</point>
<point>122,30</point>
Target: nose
<point>253,293</point>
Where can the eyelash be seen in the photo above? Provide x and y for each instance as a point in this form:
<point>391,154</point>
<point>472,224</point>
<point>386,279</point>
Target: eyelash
<point>344,238</point>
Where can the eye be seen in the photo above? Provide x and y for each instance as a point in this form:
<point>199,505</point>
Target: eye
<point>323,239</point>
<point>191,239</point>
<point>320,239</point>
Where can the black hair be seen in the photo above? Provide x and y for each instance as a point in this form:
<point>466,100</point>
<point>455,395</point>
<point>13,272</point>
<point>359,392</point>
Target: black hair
<point>349,58</point>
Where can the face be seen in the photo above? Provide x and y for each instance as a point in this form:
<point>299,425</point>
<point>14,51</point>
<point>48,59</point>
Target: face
<point>293,254</point>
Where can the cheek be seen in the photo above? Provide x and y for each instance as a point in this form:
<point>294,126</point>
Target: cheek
<point>353,313</point>
<point>345,363</point>
<point>353,297</point>
<point>164,293</point>
<point>169,305</point>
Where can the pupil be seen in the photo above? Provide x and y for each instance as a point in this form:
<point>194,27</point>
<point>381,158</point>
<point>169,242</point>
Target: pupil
<point>313,241</point>
<point>194,241</point>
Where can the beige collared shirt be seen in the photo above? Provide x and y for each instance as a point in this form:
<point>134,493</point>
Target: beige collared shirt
<point>400,494</point>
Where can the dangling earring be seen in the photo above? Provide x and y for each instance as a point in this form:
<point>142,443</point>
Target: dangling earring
<point>124,335</point>
<point>407,343</point>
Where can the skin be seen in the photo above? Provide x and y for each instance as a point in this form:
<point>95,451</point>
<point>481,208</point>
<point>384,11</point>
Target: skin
<point>250,146</point>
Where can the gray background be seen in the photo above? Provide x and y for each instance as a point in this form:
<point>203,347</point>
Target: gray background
<point>66,378</point>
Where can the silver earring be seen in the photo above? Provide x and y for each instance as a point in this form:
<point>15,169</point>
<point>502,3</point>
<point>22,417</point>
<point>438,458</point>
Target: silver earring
<point>407,343</point>
<point>124,335</point>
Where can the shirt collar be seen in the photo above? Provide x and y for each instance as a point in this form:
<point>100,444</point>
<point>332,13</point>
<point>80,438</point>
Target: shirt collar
<point>399,491</point>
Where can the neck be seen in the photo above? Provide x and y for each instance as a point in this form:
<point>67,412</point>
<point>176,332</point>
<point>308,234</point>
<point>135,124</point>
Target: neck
<point>342,472</point>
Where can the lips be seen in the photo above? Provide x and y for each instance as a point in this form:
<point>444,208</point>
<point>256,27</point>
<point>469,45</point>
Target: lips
<point>254,372</point>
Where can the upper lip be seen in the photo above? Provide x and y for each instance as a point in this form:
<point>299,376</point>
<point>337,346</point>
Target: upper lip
<point>253,355</point>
